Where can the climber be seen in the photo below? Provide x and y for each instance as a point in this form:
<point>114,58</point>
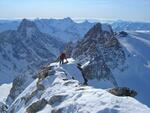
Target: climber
<point>62,57</point>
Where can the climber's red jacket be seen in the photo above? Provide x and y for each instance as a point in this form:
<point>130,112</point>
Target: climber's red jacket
<point>62,56</point>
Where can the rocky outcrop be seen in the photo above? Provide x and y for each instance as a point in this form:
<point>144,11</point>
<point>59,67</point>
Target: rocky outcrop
<point>3,108</point>
<point>84,75</point>
<point>122,91</point>
<point>56,99</point>
<point>42,74</point>
<point>56,111</point>
<point>123,34</point>
<point>98,69</point>
<point>37,106</point>
<point>17,87</point>
<point>103,52</point>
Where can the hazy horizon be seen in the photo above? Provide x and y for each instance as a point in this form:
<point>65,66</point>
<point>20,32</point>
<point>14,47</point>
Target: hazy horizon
<point>127,10</point>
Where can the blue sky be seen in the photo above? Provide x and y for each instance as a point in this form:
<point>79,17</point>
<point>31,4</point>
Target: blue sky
<point>134,10</point>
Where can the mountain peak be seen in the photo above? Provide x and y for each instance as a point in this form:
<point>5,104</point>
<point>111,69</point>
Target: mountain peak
<point>86,21</point>
<point>97,28</point>
<point>27,27</point>
<point>26,24</point>
<point>68,19</point>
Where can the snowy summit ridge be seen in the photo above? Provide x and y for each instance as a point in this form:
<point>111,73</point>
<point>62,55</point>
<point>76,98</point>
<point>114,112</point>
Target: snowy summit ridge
<point>58,93</point>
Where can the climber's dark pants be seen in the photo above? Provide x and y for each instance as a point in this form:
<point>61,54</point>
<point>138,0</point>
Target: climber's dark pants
<point>61,61</point>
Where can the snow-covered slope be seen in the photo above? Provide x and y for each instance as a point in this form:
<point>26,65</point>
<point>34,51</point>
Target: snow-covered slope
<point>131,26</point>
<point>5,90</point>
<point>58,93</point>
<point>137,74</point>
<point>9,25</point>
<point>25,49</point>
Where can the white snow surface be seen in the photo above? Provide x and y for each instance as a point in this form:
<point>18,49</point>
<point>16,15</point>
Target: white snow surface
<point>4,91</point>
<point>76,98</point>
<point>137,74</point>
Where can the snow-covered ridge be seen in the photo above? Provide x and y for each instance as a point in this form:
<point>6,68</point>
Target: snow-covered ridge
<point>58,93</point>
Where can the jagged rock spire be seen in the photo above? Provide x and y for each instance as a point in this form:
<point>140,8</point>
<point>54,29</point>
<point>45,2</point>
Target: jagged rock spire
<point>27,27</point>
<point>95,29</point>
<point>102,50</point>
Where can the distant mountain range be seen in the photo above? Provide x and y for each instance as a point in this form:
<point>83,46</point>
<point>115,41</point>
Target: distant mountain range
<point>67,30</point>
<point>25,49</point>
<point>62,29</point>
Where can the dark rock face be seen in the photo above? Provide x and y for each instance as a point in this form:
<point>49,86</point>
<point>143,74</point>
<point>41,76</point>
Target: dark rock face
<point>56,111</point>
<point>37,106</point>
<point>3,108</point>
<point>56,99</point>
<point>123,34</point>
<point>122,91</point>
<point>26,26</point>
<point>17,88</point>
<point>103,51</point>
